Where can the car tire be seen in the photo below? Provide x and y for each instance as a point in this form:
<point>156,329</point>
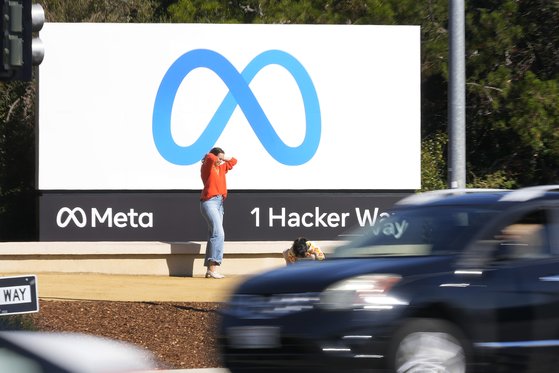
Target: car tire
<point>429,345</point>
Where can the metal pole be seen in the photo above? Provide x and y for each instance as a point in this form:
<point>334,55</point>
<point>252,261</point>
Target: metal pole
<point>456,97</point>
<point>36,196</point>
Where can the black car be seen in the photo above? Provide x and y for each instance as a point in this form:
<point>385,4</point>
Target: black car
<point>450,281</point>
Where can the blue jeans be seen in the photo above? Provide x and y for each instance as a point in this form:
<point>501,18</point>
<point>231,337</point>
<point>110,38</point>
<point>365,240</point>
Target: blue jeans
<point>212,211</point>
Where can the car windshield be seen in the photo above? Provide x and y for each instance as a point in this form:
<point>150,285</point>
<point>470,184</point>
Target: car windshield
<point>439,230</point>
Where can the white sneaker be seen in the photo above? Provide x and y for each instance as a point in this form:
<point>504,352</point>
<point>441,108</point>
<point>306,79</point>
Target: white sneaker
<point>210,274</point>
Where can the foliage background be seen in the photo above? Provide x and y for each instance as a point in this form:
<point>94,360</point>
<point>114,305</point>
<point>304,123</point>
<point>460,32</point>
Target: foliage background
<point>512,84</point>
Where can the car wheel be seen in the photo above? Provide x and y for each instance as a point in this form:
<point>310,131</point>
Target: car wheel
<point>429,346</point>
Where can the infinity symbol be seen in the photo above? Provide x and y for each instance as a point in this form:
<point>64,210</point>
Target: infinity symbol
<point>72,215</point>
<point>239,94</point>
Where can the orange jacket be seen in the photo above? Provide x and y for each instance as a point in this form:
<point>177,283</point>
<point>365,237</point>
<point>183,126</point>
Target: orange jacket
<point>213,176</point>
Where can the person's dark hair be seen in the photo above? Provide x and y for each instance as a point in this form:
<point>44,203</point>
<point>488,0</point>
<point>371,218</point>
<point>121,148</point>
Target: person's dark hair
<point>216,151</point>
<point>299,247</point>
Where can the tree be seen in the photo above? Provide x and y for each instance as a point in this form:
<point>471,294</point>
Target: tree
<point>17,161</point>
<point>118,11</point>
<point>512,90</point>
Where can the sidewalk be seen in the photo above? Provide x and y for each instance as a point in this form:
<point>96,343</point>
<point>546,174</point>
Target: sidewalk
<point>91,286</point>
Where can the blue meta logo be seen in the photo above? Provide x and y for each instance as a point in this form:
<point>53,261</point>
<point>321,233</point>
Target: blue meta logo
<point>241,95</point>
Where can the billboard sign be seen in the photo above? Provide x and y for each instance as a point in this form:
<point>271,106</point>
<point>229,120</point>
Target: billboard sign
<point>302,107</point>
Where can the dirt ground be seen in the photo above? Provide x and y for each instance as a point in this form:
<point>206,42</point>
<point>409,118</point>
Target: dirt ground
<point>180,335</point>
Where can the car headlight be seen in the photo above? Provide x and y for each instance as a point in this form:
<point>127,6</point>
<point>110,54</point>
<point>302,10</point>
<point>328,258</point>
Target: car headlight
<point>369,292</point>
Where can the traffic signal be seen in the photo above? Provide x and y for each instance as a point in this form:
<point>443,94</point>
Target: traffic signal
<point>20,49</point>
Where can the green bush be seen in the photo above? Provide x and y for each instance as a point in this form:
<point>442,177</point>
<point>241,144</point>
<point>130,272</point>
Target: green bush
<point>16,322</point>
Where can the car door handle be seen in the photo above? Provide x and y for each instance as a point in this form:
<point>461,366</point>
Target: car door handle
<point>550,278</point>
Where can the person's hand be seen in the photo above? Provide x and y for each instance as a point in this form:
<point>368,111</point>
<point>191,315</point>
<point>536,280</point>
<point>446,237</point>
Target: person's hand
<point>220,159</point>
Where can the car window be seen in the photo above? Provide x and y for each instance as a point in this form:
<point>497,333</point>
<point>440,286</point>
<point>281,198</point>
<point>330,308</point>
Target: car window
<point>527,237</point>
<point>437,230</point>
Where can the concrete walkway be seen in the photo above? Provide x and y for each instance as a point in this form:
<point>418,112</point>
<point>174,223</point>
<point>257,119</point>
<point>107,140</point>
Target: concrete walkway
<point>91,286</point>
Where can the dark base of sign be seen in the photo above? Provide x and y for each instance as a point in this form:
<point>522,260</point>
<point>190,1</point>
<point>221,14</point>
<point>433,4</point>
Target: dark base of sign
<point>172,216</point>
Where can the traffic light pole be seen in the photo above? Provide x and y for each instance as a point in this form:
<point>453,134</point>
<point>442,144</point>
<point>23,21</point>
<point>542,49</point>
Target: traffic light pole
<point>20,19</point>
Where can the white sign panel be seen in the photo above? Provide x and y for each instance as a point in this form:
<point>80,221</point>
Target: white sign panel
<point>320,107</point>
<point>15,295</point>
<point>18,294</point>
